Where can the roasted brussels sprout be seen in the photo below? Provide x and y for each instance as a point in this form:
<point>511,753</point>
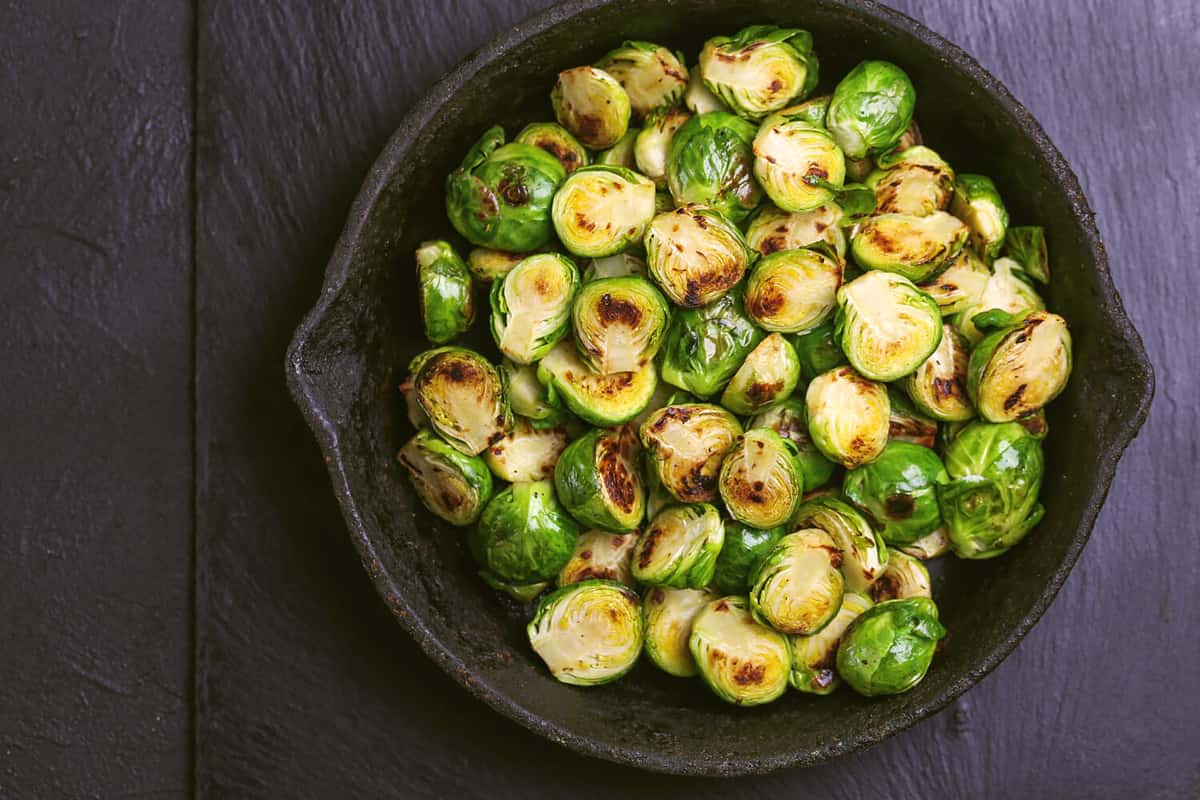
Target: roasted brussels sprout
<point>600,211</point>
<point>695,255</point>
<point>600,555</point>
<point>500,195</point>
<point>654,142</point>
<point>847,416</point>
<point>621,153</point>
<point>991,501</point>
<point>711,162</point>
<point>787,419</point>
<point>915,181</point>
<point>907,424</point>
<point>651,75</point>
<point>588,633</point>
<point>462,396</point>
<point>761,479</point>
<point>760,69</point>
<point>772,229</point>
<point>705,346</point>
<point>598,480</point>
<point>977,203</point>
<point>864,554</point>
<point>939,386</point>
<point>768,375</point>
<point>679,547</point>
<point>1019,369</point>
<point>487,264</point>
<point>447,300</point>
<point>793,290</point>
<point>604,400</point>
<point>686,444</point>
<point>904,577</point>
<point>668,615</point>
<point>887,326</point>
<point>898,491</point>
<point>698,98</point>
<point>811,111</point>
<point>871,108</point>
<point>743,549</point>
<point>918,248</point>
<point>530,398</point>
<point>931,545</point>
<point>1026,245</point>
<point>523,538</point>
<point>798,164</point>
<point>450,484</point>
<point>592,105</point>
<point>1004,291</point>
<point>526,453</point>
<point>814,656</point>
<point>619,266</point>
<point>743,662</point>
<point>619,323</point>
<point>889,648</point>
<point>960,285</point>
<point>797,587</point>
<point>557,141</point>
<point>416,415</point>
<point>531,306</point>
<point>818,350</point>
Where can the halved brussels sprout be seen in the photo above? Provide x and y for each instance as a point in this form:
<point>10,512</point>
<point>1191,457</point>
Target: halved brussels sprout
<point>915,181</point>
<point>695,254</point>
<point>977,203</point>
<point>604,400</point>
<point>818,350</point>
<point>619,323</point>
<point>961,285</point>
<point>450,484</point>
<point>531,306</point>
<point>904,577</point>
<point>793,290</point>
<point>462,396</point>
<point>798,164</point>
<point>991,501</point>
<point>772,229</point>
<point>1004,291</point>
<point>621,153</point>
<point>487,264</point>
<point>619,266</point>
<point>600,555</point>
<point>787,419</point>
<point>907,424</point>
<point>669,614</point>
<point>500,195</point>
<point>1018,370</point>
<point>698,98</point>
<point>886,325</point>
<point>898,491</point>
<point>447,299</point>
<point>600,210</point>
<point>1026,245</point>
<point>769,374</point>
<point>743,549</point>
<point>711,162</point>
<point>705,346</point>
<point>919,248</point>
<point>529,398</point>
<point>797,588</point>
<point>650,74</point>
<point>654,142</point>
<point>761,479</point>
<point>588,633</point>
<point>592,105</point>
<point>759,69</point>
<point>523,538</point>
<point>871,108</point>
<point>848,416</point>
<point>679,547</point>
<point>889,648</point>
<point>557,141</point>
<point>814,656</point>
<point>686,444</point>
<point>864,554</point>
<point>939,386</point>
<point>526,453</point>
<point>598,481</point>
<point>931,545</point>
<point>743,662</point>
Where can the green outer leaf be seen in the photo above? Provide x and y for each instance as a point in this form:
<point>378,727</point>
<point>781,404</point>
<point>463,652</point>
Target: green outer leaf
<point>579,478</point>
<point>524,536</point>
<point>1026,245</point>
<point>711,162</point>
<point>447,293</point>
<point>889,648</point>
<point>705,346</point>
<point>976,202</point>
<point>818,350</point>
<point>529,398</point>
<point>744,547</point>
<point>898,491</point>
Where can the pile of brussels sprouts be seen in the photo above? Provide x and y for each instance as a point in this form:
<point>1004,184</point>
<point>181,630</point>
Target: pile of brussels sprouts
<point>759,358</point>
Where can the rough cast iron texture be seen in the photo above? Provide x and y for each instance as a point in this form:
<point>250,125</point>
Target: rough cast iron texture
<point>342,369</point>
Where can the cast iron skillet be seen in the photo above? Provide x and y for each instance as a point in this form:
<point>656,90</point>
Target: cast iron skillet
<point>351,350</point>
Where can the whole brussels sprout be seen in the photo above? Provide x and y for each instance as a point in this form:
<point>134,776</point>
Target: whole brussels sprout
<point>619,323</point>
<point>991,501</point>
<point>705,346</point>
<point>621,153</point>
<point>787,419</point>
<point>462,397</point>
<point>977,203</point>
<point>668,615</point>
<point>600,555</point>
<point>1004,291</point>
<point>811,111</point>
<point>818,350</point>
<point>793,290</point>
<point>592,105</point>
<point>772,229</point>
<point>600,211</point>
<point>918,248</point>
<point>487,264</point>
<point>557,141</point>
<point>698,98</point>
<point>679,547</point>
<point>1026,245</point>
<point>619,266</point>
<point>598,482</point>
<point>588,633</point>
<point>605,400</point>
<point>898,491</point>
<point>743,662</point>
<point>447,299</point>
<point>814,656</point>
<point>907,424</point>
<point>686,444</point>
<point>761,479</point>
<point>711,162</point>
<point>904,577</point>
<point>651,75</point>
<point>526,453</point>
<point>929,546</point>
<point>654,142</point>
<point>450,484</point>
<point>886,325</point>
<point>797,587</point>
<point>499,197</point>
<point>1019,369</point>
<point>760,69</point>
<point>798,164</point>
<point>939,386</point>
<point>889,648</point>
<point>529,398</point>
<point>695,254</point>
<point>740,555</point>
<point>847,416</point>
<point>864,556</point>
<point>531,306</point>
<point>871,108</point>
<point>768,375</point>
<point>916,181</point>
<point>960,285</point>
<point>523,538</point>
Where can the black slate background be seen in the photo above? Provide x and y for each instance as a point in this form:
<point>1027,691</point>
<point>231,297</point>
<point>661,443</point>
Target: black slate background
<point>180,608</point>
